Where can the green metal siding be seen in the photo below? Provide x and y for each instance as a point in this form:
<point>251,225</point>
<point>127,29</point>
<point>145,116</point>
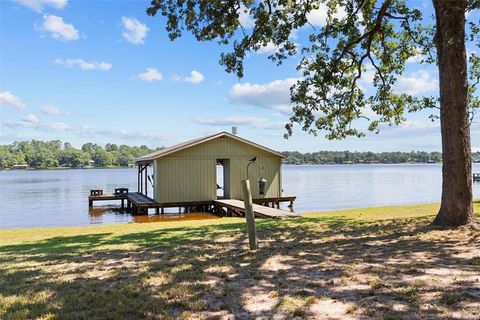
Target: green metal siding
<point>155,175</point>
<point>270,172</point>
<point>218,148</point>
<point>185,179</point>
<point>190,174</point>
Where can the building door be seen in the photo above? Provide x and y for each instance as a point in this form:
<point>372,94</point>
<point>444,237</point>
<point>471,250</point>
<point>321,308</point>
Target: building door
<point>223,178</point>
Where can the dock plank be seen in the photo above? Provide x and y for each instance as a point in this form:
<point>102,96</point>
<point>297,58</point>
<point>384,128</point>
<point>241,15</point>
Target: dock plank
<point>260,211</point>
<point>108,196</point>
<point>141,200</point>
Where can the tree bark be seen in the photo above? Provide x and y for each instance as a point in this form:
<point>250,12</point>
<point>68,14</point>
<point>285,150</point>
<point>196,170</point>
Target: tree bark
<point>456,207</point>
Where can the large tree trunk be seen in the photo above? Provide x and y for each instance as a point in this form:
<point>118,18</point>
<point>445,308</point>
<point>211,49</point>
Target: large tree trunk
<point>456,207</point>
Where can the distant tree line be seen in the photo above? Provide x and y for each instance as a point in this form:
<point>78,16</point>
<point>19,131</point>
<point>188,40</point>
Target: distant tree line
<point>345,157</point>
<point>53,154</point>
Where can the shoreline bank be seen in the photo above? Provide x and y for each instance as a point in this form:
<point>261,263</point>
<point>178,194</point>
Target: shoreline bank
<point>361,214</point>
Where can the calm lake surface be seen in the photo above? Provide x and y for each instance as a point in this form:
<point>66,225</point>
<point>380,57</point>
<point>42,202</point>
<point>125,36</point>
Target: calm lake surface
<point>49,198</point>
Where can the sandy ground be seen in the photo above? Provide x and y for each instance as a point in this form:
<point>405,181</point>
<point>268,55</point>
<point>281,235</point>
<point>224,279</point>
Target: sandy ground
<point>305,269</point>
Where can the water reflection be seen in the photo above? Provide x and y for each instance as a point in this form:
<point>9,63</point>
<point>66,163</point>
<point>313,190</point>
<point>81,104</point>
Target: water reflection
<point>174,217</point>
<point>99,214</point>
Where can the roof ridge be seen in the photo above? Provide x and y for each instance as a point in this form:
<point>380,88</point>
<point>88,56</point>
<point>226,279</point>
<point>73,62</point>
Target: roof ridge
<point>190,143</point>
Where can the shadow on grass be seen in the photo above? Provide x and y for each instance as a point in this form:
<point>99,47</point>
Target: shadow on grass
<point>369,268</point>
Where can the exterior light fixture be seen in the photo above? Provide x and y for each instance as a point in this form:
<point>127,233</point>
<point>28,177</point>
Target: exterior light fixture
<point>262,182</point>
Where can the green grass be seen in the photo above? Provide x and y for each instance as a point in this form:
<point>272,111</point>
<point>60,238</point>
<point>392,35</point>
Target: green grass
<point>182,269</point>
<point>180,229</point>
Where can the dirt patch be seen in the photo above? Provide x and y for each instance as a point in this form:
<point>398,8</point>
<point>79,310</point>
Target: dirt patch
<point>310,268</point>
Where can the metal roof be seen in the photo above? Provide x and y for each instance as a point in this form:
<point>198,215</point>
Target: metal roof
<point>188,144</point>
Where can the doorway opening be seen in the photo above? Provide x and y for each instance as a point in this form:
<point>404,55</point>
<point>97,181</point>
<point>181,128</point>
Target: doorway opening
<point>223,178</point>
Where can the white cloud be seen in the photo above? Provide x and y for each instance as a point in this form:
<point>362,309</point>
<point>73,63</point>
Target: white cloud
<point>84,130</point>
<point>273,95</point>
<point>56,126</point>
<point>366,81</point>
<point>38,5</point>
<point>58,29</point>
<point>319,16</point>
<point>418,125</point>
<point>195,77</point>
<point>418,83</point>
<point>84,65</point>
<point>245,18</point>
<point>15,124</point>
<point>51,110</point>
<point>416,58</point>
<point>7,98</point>
<point>254,122</point>
<point>150,75</point>
<point>90,131</point>
<point>421,128</point>
<point>31,118</point>
<point>134,31</point>
<point>269,48</point>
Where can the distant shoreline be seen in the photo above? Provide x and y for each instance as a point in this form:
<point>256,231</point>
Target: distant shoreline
<point>64,168</point>
<point>57,155</point>
<point>285,164</point>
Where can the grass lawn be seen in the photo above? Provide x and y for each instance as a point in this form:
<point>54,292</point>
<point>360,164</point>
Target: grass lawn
<point>378,263</point>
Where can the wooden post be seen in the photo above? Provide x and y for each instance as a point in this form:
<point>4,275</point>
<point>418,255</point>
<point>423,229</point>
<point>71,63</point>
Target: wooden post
<point>249,215</point>
<point>138,179</point>
<point>146,178</point>
<point>123,203</point>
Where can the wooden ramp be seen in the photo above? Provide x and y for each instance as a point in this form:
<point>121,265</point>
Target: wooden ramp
<point>259,210</point>
<point>141,201</point>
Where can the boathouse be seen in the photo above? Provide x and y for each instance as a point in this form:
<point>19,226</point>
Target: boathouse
<point>205,174</point>
<point>208,169</point>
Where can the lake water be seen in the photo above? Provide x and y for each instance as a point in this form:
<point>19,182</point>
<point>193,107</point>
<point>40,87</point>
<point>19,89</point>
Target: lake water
<point>50,198</point>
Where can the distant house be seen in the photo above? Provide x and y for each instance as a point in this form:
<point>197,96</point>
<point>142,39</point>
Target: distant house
<point>20,166</point>
<point>89,163</point>
<point>187,172</point>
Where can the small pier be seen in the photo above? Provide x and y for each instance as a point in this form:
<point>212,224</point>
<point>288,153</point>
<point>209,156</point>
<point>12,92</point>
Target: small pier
<point>259,210</point>
<point>139,203</point>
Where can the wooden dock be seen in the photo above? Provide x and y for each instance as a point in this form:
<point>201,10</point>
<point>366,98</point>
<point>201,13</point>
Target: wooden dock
<point>140,203</point>
<point>106,197</point>
<point>259,210</point>
<point>136,201</point>
<point>275,202</point>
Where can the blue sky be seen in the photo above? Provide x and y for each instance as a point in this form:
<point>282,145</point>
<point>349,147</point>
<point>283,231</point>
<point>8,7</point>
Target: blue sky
<point>104,71</point>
